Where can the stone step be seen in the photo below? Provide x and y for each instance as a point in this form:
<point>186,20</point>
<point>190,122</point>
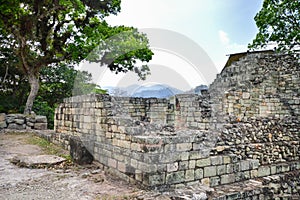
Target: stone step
<point>279,186</point>
<point>249,189</point>
<point>37,161</point>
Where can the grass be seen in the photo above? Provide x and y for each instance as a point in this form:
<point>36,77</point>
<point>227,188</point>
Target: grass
<point>48,147</point>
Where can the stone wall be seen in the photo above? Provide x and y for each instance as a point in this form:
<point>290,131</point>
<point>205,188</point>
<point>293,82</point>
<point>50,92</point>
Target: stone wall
<point>283,186</point>
<point>258,85</point>
<point>246,127</point>
<point>20,121</point>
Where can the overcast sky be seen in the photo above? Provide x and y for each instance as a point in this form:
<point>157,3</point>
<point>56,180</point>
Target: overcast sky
<point>219,27</point>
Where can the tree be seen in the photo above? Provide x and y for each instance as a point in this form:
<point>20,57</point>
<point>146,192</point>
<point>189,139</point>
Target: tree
<point>278,21</point>
<point>56,83</point>
<point>46,33</point>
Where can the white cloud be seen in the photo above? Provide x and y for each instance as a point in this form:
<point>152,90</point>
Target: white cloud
<point>228,46</point>
<point>223,36</point>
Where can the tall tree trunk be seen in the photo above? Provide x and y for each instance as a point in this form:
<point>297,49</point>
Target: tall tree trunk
<point>34,88</point>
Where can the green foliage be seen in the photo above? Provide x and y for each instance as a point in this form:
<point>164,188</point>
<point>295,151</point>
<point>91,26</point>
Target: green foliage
<point>45,34</point>
<point>47,147</point>
<point>14,86</point>
<point>56,84</point>
<point>42,107</point>
<point>278,21</point>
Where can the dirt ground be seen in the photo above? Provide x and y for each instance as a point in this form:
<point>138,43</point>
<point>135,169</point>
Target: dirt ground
<point>73,183</point>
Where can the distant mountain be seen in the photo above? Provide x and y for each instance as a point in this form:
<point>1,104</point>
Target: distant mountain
<point>156,90</point>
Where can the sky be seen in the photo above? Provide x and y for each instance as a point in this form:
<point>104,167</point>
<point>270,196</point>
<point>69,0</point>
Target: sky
<point>219,27</point>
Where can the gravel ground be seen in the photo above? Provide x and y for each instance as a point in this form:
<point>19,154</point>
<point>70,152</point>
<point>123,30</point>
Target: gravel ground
<point>73,183</point>
<point>68,182</point>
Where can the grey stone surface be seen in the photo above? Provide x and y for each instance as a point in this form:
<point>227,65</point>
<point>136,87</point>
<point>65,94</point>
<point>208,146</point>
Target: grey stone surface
<point>2,117</point>
<point>16,126</point>
<point>210,171</point>
<point>264,171</point>
<point>40,126</point>
<point>20,121</point>
<point>37,160</point>
<point>41,119</point>
<point>79,152</point>
<point>3,124</point>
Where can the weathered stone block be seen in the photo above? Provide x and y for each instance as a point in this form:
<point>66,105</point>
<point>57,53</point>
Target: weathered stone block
<point>264,171</point>
<point>157,179</point>
<point>193,155</point>
<point>285,168</point>
<point>125,144</point>
<point>3,124</point>
<point>216,160</point>
<point>2,117</point>
<point>184,146</point>
<point>221,169</point>
<point>254,173</point>
<point>203,162</point>
<point>229,168</point>
<point>210,171</point>
<point>136,147</point>
<point>227,178</point>
<point>138,175</point>
<point>144,167</point>
<point>273,169</point>
<point>10,119</point>
<point>175,177</point>
<point>41,119</point>
<point>183,165</point>
<point>170,148</point>
<point>226,160</point>
<point>172,167</point>
<point>30,124</point>
<point>192,164</point>
<point>206,181</point>
<point>254,164</point>
<point>40,126</point>
<point>112,163</point>
<point>198,174</point>
<point>20,121</point>
<point>245,165</point>
<point>214,181</point>
<point>16,126</point>
<point>189,175</point>
<point>121,167</point>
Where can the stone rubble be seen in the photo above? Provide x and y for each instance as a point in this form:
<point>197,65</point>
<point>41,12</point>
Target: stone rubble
<point>21,122</point>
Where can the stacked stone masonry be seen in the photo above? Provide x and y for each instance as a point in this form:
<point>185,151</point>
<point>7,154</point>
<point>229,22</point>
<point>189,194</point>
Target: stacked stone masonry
<point>20,121</point>
<point>246,127</point>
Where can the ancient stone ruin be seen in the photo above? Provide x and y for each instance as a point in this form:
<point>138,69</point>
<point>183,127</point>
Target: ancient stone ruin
<point>21,122</point>
<point>245,128</point>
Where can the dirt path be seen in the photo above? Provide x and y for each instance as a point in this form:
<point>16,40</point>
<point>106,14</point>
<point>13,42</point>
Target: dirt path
<point>73,183</point>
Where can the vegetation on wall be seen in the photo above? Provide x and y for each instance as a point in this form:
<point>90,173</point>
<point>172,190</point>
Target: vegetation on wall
<point>279,24</point>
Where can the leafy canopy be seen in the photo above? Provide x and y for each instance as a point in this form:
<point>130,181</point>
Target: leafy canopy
<point>54,31</point>
<point>48,33</point>
<point>56,83</point>
<point>278,22</point>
